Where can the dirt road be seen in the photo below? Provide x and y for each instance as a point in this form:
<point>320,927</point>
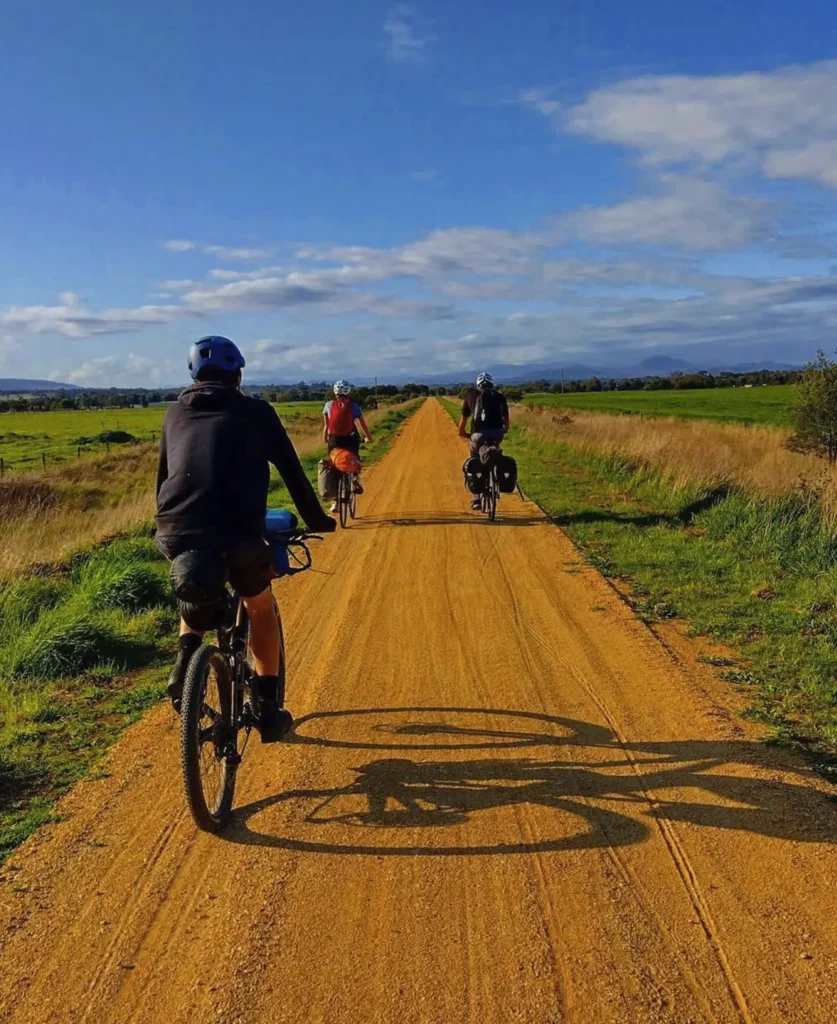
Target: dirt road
<point>507,800</point>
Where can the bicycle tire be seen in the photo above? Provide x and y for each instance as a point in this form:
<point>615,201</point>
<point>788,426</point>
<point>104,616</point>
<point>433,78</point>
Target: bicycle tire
<point>353,502</point>
<point>342,501</point>
<point>492,495</point>
<point>208,819</point>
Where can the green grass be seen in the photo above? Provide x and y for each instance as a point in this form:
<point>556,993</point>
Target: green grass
<point>736,405</point>
<point>681,554</point>
<point>84,652</point>
<point>70,646</point>
<point>25,436</point>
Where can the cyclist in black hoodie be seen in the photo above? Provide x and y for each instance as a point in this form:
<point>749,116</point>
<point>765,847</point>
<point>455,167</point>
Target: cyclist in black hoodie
<point>212,483</point>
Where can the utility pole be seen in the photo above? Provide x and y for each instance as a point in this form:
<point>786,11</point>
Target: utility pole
<point>562,382</point>
<point>376,392</point>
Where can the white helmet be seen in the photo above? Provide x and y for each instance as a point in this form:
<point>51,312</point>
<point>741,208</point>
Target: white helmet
<point>485,380</point>
<point>342,388</point>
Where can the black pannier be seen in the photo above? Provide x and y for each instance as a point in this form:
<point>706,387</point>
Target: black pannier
<point>506,473</point>
<point>475,475</point>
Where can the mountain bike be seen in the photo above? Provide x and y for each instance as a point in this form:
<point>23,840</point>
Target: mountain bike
<point>220,705</point>
<point>346,498</point>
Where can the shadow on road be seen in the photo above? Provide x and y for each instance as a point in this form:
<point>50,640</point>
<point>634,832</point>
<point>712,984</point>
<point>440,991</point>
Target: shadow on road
<point>448,519</point>
<point>617,793</point>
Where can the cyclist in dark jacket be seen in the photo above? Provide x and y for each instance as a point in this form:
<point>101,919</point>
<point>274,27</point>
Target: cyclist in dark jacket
<point>489,414</point>
<point>212,484</point>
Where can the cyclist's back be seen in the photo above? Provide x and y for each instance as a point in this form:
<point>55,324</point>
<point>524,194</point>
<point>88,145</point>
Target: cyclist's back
<point>213,474</point>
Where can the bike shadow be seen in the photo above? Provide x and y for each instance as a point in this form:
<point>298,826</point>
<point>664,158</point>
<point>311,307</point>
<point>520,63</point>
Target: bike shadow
<point>618,793</point>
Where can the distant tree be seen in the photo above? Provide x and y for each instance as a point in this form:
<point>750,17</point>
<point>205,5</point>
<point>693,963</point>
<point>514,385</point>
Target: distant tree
<point>594,384</point>
<point>813,413</point>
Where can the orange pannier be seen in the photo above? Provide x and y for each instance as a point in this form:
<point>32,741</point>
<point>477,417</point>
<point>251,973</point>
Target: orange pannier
<point>345,462</point>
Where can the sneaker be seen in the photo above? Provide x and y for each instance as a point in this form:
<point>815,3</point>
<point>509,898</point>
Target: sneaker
<point>333,507</point>
<point>357,486</point>
<point>476,504</point>
<point>275,722</point>
<point>189,643</point>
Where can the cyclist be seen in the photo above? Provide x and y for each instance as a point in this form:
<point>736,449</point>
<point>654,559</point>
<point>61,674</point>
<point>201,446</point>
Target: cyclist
<point>340,418</point>
<point>212,483</point>
<point>489,413</point>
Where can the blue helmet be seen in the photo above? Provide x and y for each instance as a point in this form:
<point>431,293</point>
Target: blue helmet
<point>216,351</point>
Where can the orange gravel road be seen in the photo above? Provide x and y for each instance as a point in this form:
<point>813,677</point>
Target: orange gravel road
<point>506,800</point>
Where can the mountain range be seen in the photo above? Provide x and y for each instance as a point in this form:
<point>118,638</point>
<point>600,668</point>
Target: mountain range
<point>653,366</point>
<point>23,386</point>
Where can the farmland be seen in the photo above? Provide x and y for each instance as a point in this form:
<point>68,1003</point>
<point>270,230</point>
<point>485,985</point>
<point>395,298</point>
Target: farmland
<point>27,438</point>
<point>732,405</point>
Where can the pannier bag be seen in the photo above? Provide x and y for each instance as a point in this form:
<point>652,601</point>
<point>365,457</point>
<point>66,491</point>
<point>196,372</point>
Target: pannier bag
<point>475,475</point>
<point>279,524</point>
<point>506,474</point>
<point>327,477</point>
<point>345,461</point>
<point>199,580</point>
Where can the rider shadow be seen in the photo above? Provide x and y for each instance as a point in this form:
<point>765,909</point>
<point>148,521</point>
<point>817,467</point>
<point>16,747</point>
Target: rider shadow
<point>399,794</point>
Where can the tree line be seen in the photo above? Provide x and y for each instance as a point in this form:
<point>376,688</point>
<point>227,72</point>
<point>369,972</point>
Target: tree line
<point>368,396</point>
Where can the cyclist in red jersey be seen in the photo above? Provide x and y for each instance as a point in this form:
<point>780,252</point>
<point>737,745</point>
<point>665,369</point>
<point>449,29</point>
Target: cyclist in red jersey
<point>341,418</point>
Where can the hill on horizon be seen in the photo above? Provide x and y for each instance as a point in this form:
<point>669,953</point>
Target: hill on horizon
<point>16,384</point>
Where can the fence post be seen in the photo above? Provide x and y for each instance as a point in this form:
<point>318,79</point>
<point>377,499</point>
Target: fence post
<point>2,467</point>
<point>43,460</point>
<point>78,453</point>
<point>108,447</point>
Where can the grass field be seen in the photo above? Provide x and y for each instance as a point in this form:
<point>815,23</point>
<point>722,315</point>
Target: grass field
<point>26,436</point>
<point>733,405</point>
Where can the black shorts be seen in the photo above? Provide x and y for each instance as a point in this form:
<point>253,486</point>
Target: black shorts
<point>349,443</point>
<point>249,564</point>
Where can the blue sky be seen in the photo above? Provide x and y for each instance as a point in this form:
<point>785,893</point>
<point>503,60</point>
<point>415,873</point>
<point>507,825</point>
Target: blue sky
<point>379,188</point>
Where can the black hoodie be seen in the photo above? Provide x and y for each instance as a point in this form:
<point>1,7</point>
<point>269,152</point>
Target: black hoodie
<point>213,474</point>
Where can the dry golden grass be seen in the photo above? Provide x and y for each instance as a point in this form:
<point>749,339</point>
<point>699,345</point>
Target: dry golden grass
<point>45,516</point>
<point>690,452</point>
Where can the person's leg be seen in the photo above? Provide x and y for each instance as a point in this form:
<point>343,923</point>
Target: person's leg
<point>250,574</point>
<point>264,633</point>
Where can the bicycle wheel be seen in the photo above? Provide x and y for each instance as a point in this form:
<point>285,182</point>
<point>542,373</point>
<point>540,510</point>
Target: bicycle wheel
<point>343,498</point>
<point>208,733</point>
<point>491,492</point>
<point>352,500</point>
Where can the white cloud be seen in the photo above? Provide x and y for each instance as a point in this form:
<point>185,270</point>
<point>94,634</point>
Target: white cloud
<point>228,252</point>
<point>179,245</point>
<point>423,176</point>
<point>783,120</point>
<point>816,162</point>
<point>108,371</point>
<point>541,101</point>
<point>690,213</point>
<point>177,284</point>
<point>72,320</point>
<point>407,41</point>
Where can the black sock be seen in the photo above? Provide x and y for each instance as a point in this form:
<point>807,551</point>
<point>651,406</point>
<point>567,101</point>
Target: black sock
<point>268,687</point>
<point>189,641</point>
